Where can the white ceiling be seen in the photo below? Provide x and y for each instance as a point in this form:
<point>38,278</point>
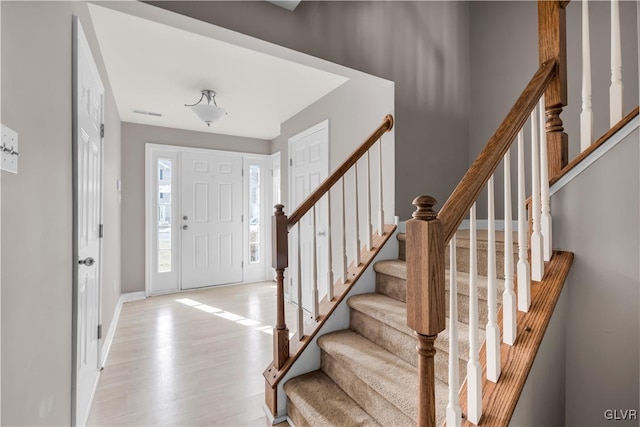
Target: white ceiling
<point>286,4</point>
<point>158,68</point>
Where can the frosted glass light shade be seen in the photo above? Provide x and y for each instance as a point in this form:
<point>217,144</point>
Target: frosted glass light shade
<point>208,113</point>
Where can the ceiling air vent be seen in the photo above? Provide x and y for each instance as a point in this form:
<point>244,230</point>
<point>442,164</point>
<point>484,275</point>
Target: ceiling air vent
<point>147,113</point>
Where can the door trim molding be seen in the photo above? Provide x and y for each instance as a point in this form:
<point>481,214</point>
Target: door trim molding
<point>150,149</point>
<point>78,39</point>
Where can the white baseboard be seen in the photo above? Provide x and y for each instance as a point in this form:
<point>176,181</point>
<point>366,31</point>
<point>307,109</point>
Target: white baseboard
<point>275,420</point>
<point>108,340</point>
<point>133,296</point>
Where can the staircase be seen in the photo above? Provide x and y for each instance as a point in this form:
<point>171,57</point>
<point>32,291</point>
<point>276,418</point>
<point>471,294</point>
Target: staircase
<point>368,373</point>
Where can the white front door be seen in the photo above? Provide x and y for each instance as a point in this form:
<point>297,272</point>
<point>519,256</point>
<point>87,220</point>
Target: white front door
<point>309,166</point>
<point>88,106</point>
<point>211,221</point>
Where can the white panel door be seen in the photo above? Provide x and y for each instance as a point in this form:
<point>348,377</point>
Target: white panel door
<point>88,188</point>
<point>309,166</point>
<point>211,219</point>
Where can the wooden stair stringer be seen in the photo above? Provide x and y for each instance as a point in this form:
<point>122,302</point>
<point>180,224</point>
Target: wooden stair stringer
<point>499,400</point>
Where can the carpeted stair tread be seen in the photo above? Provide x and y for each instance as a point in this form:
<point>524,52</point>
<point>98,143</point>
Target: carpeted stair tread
<point>392,267</point>
<point>394,314</point>
<point>322,403</point>
<point>391,377</point>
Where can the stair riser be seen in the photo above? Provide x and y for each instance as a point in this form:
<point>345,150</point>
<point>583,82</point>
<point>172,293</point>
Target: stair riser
<point>377,406</point>
<point>396,288</point>
<point>295,416</point>
<point>391,286</point>
<point>401,344</point>
<point>462,258</point>
<point>463,309</point>
<point>462,261</point>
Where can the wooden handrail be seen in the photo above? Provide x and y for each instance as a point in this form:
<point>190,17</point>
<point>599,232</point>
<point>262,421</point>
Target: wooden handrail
<point>467,191</point>
<point>312,199</point>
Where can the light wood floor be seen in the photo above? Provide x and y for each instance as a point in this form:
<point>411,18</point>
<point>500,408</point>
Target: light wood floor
<point>193,358</point>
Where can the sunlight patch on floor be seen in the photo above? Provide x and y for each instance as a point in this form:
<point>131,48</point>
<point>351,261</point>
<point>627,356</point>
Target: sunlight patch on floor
<point>227,315</point>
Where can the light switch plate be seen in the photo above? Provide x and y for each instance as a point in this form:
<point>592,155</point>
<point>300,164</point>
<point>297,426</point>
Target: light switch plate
<point>10,150</point>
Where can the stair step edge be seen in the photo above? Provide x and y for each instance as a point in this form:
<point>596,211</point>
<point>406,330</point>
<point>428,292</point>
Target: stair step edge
<point>398,269</point>
<point>374,366</point>
<point>393,314</point>
<point>334,408</point>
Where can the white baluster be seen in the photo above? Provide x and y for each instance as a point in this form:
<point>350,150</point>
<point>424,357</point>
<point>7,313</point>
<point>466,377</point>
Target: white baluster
<point>586,116</point>
<point>300,311</point>
<point>345,262</point>
<point>315,303</point>
<point>474,369</point>
<point>493,330</point>
<point>380,205</point>
<point>537,261</point>
<point>329,250</point>
<point>524,271</point>
<point>508,296</point>
<point>368,227</point>
<point>454,414</point>
<point>615,90</point>
<point>356,259</point>
<point>545,218</point>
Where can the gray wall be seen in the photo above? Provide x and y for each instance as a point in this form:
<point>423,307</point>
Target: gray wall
<point>597,216</point>
<point>504,57</point>
<point>134,138</point>
<point>37,262</point>
<point>542,400</point>
<point>422,46</point>
<point>353,110</point>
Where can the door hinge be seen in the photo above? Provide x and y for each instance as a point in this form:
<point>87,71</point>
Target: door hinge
<point>242,172</point>
<point>241,218</point>
<point>102,130</point>
<point>99,332</point>
<point>242,264</point>
<point>101,231</point>
<point>290,162</point>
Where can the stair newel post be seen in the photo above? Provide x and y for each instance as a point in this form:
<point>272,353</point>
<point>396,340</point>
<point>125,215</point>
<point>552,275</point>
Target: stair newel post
<point>552,46</point>
<point>280,261</point>
<point>425,297</point>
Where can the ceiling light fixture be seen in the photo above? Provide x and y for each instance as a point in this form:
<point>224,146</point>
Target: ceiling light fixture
<point>208,112</point>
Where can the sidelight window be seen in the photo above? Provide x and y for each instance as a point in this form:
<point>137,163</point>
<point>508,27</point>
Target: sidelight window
<point>164,215</point>
<point>254,214</point>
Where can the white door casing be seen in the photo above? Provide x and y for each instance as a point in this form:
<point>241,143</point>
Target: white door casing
<point>308,167</point>
<point>88,149</point>
<point>211,218</point>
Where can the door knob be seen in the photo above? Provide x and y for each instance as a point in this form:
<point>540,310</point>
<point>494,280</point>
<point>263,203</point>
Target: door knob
<point>185,217</point>
<point>87,261</point>
<point>321,233</point>
<point>185,227</point>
